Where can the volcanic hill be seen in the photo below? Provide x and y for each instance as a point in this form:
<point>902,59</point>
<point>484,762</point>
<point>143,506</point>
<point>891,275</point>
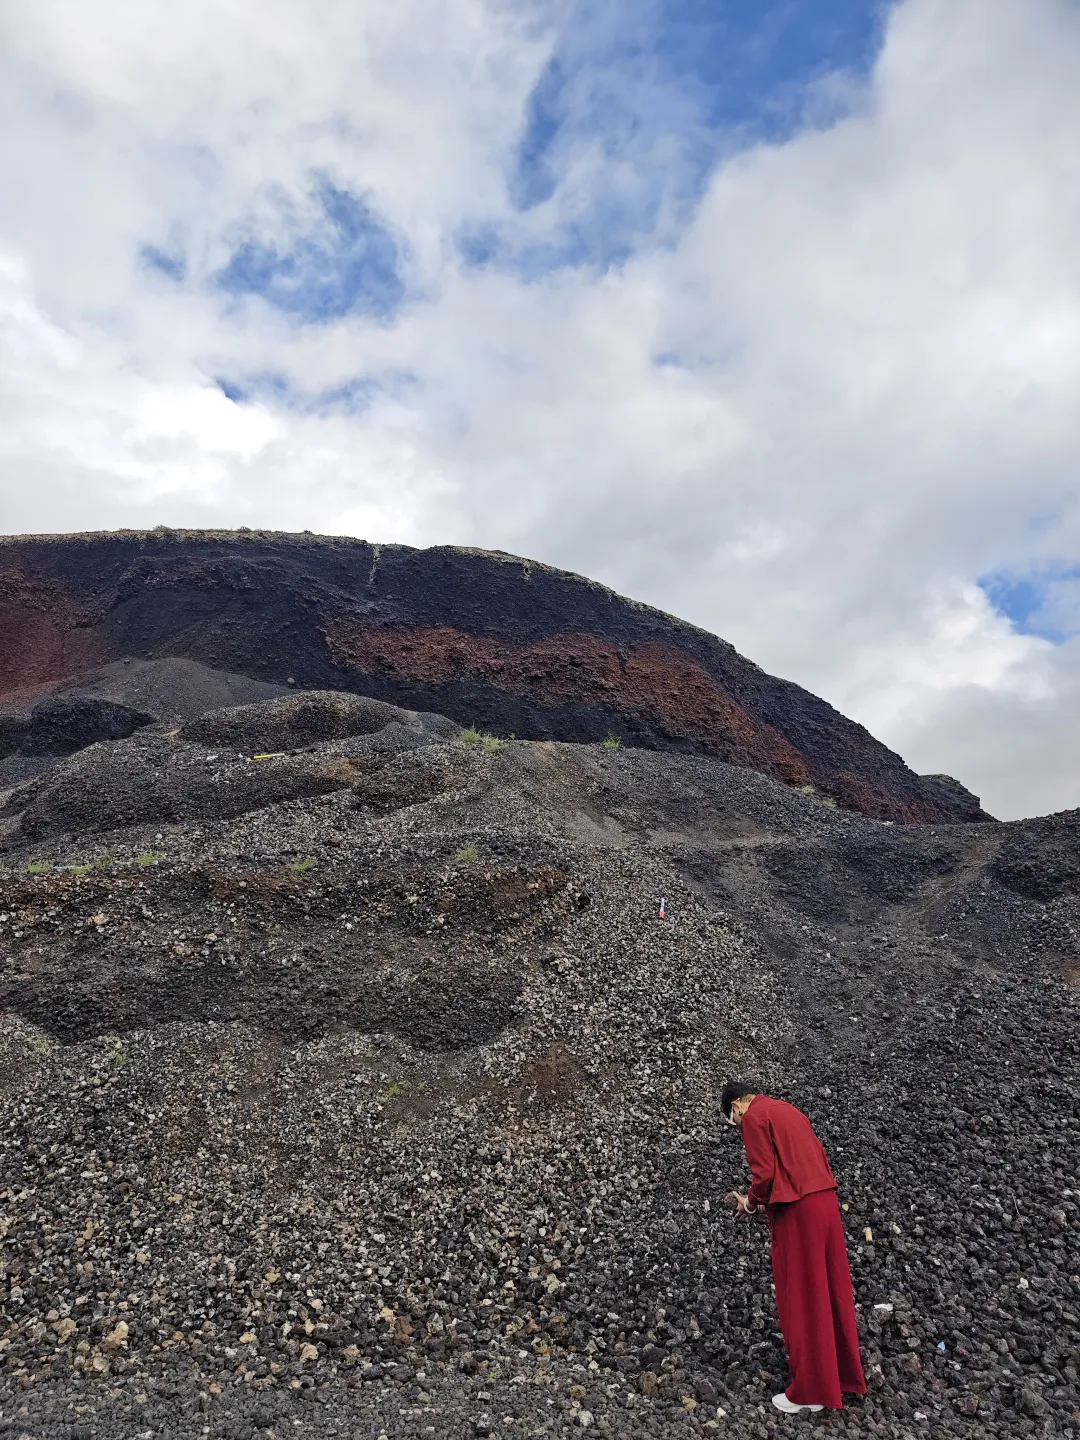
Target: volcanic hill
<point>513,646</point>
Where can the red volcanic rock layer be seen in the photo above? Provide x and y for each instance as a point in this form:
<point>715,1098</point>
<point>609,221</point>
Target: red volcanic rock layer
<point>44,633</point>
<point>483,637</point>
<point>674,692</point>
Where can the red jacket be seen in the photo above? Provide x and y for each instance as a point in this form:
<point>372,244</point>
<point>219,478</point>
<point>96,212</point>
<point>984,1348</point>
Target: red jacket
<point>787,1160</point>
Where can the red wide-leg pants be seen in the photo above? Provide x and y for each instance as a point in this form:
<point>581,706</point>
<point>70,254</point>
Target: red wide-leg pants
<point>815,1300</point>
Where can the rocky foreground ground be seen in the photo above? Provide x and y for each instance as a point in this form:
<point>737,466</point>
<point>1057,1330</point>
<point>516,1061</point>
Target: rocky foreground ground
<point>361,1090</point>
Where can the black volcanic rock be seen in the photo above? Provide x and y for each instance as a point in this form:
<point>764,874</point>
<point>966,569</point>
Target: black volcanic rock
<point>303,719</point>
<point>170,689</point>
<point>212,767</point>
<point>13,730</point>
<point>507,644</point>
<point>62,724</point>
<point>395,1104</point>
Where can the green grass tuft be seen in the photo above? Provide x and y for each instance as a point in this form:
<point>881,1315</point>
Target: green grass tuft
<point>816,794</point>
<point>298,867</point>
<point>490,743</point>
<point>467,855</point>
<point>149,857</point>
<point>613,742</point>
<point>40,867</point>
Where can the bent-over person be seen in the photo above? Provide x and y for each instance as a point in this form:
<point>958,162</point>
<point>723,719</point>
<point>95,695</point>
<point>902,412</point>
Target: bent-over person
<point>793,1183</point>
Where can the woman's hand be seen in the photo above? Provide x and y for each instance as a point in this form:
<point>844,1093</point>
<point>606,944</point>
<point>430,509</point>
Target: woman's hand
<point>743,1208</point>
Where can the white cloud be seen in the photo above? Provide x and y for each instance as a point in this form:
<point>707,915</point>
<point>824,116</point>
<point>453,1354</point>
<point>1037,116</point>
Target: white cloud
<point>845,392</point>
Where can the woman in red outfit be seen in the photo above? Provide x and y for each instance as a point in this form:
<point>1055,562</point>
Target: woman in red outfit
<point>792,1181</point>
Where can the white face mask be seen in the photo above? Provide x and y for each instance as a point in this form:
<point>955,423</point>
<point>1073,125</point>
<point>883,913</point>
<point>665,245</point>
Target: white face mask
<point>731,1118</point>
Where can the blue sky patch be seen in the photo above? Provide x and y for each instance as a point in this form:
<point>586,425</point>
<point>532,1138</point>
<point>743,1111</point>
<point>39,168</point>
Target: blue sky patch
<point>1044,603</point>
<point>238,394</point>
<point>349,397</point>
<point>268,387</point>
<point>750,64</point>
<point>347,263</point>
<point>572,244</point>
<point>173,266</point>
<point>657,93</point>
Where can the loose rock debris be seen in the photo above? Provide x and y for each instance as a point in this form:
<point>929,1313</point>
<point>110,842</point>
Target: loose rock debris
<point>389,1109</point>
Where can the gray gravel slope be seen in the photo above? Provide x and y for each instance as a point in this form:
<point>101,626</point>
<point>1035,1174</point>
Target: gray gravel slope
<point>392,1109</point>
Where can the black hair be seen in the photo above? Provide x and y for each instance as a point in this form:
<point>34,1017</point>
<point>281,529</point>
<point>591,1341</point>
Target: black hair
<point>732,1091</point>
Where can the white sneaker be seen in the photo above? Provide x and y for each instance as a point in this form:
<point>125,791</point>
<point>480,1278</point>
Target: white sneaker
<point>790,1408</point>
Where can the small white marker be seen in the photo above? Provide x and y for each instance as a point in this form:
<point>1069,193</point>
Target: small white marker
<point>661,907</point>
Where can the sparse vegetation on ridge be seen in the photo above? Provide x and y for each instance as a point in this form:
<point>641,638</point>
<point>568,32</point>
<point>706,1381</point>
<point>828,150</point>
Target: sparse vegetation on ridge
<point>491,744</point>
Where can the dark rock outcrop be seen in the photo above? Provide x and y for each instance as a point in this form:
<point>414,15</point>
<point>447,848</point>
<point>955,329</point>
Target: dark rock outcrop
<point>517,647</point>
<point>217,766</point>
<point>60,725</point>
<point>172,689</point>
<point>304,719</point>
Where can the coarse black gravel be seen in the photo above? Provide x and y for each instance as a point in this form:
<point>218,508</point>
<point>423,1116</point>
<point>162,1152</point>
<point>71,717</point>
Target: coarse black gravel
<point>389,1107</point>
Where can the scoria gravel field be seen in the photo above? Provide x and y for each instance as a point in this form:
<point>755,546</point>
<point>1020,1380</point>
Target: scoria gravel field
<point>360,1090</point>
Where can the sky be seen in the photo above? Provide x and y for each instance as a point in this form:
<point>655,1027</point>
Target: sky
<point>764,313</point>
